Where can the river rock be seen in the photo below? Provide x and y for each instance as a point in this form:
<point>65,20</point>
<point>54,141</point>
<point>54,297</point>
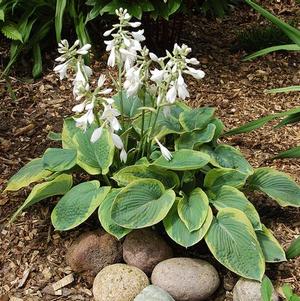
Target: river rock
<point>93,251</point>
<point>119,282</point>
<point>186,279</point>
<point>153,293</point>
<point>249,290</point>
<point>144,249</point>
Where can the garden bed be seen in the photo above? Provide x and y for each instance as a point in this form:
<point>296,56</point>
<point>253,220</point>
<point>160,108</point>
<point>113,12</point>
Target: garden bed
<point>32,254</point>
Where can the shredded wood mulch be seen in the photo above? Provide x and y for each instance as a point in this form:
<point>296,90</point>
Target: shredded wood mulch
<point>32,253</point>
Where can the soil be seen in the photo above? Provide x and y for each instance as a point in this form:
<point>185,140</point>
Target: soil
<point>32,253</point>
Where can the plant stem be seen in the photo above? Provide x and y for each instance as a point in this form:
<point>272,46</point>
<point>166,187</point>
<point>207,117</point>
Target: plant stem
<point>121,96</point>
<point>153,128</point>
<point>106,180</point>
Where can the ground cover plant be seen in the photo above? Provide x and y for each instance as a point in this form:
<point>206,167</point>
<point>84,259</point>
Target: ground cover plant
<point>153,159</point>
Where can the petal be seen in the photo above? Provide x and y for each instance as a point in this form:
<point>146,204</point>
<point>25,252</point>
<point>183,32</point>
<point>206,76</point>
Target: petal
<point>96,134</point>
<point>117,141</point>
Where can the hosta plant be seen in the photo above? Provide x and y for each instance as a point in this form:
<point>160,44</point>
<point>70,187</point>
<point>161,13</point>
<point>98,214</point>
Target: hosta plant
<point>152,159</point>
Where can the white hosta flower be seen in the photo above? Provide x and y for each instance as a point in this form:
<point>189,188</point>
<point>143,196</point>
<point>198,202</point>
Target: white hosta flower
<point>84,49</point>
<point>112,58</point>
<point>157,75</point>
<point>135,24</point>
<point>182,91</point>
<point>123,155</point>
<point>86,119</point>
<point>96,134</point>
<point>62,69</point>
<point>117,141</point>
<point>153,57</point>
<point>164,151</point>
<point>79,108</point>
<point>171,94</point>
<point>138,35</point>
<point>192,61</point>
<point>110,115</point>
<point>101,80</point>
<point>197,74</point>
<point>133,81</point>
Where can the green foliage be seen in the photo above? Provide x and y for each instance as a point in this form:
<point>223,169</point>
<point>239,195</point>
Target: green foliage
<point>289,294</point>
<point>178,193</point>
<point>294,249</point>
<point>266,289</point>
<point>231,234</point>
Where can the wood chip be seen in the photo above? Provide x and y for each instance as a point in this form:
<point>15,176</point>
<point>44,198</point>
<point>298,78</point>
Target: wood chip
<point>24,278</point>
<point>63,282</point>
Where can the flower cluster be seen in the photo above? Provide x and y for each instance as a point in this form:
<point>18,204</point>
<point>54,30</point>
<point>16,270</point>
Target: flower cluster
<point>140,72</point>
<point>125,44</point>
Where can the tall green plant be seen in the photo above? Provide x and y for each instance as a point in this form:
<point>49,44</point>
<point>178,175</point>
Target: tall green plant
<point>151,159</point>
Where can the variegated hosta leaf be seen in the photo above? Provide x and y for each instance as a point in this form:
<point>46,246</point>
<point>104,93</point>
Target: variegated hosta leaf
<point>276,185</point>
<point>184,159</point>
<point>232,241</point>
<point>271,248</point>
<point>68,133</point>
<point>189,140</point>
<point>104,214</point>
<point>219,129</point>
<point>229,157</point>
<point>218,177</point>
<point>164,125</point>
<point>196,119</point>
<point>94,158</point>
<point>134,172</point>
<point>58,186</point>
<point>31,172</point>
<point>142,203</point>
<point>78,205</point>
<point>59,159</point>
<point>178,231</point>
<point>193,209</point>
<point>230,197</point>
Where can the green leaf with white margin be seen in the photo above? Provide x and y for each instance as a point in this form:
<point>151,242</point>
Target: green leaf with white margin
<point>276,185</point>
<point>177,230</point>
<point>58,186</point>
<point>104,214</point>
<point>232,241</point>
<point>59,159</point>
<point>218,177</point>
<point>141,204</point>
<point>196,119</point>
<point>193,209</point>
<point>68,133</point>
<point>229,157</point>
<point>32,172</point>
<point>134,172</point>
<point>273,252</point>
<point>94,158</point>
<point>230,197</point>
<point>184,159</point>
<point>189,140</point>
<point>77,205</point>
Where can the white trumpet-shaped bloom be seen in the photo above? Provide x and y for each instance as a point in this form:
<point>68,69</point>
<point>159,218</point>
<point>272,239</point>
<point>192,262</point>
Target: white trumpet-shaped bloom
<point>164,151</point>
